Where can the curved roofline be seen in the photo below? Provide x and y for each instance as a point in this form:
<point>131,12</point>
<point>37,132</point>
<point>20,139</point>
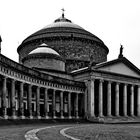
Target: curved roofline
<point>10,64</point>
<point>62,25</point>
<point>43,55</point>
<point>85,33</point>
<point>103,45</point>
<point>44,50</point>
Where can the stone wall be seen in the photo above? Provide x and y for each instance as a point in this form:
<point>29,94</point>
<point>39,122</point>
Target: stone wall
<point>45,63</point>
<point>68,48</point>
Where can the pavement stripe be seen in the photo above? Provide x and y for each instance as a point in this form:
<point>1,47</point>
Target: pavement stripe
<point>31,135</point>
<point>62,132</point>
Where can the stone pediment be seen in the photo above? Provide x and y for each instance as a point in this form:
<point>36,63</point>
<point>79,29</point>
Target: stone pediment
<point>120,66</point>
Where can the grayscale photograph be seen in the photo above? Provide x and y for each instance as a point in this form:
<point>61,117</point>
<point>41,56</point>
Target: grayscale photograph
<point>70,70</point>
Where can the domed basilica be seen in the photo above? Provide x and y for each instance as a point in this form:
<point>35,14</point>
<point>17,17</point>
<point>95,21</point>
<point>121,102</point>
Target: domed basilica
<point>63,73</point>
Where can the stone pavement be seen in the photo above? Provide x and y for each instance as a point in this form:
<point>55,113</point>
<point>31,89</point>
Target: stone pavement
<point>106,132</point>
<point>87,132</point>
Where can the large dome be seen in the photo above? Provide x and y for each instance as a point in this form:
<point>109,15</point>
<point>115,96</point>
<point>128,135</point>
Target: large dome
<point>62,27</point>
<point>75,44</point>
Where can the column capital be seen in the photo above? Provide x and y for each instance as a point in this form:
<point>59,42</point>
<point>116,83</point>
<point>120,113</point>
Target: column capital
<point>62,91</point>
<point>117,83</point>
<point>110,82</point>
<point>4,77</point>
<point>86,82</point>
<point>38,88</point>
<point>133,85</point>
<point>46,89</point>
<point>54,90</point>
<point>125,84</point>
<point>13,80</point>
<point>101,80</point>
<point>29,85</point>
<point>92,79</point>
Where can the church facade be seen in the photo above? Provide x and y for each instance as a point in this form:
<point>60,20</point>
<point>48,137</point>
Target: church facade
<point>63,73</point>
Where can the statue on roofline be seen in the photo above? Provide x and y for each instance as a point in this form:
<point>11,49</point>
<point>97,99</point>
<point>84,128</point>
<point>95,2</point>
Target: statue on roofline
<point>121,52</point>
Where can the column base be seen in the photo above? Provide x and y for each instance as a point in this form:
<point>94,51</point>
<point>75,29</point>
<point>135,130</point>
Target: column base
<point>77,117</point>
<point>125,115</point>
<point>14,117</point>
<point>46,117</point>
<point>117,115</point>
<point>109,115</point>
<point>70,117</point>
<point>62,117</point>
<point>132,115</point>
<point>22,117</point>
<point>5,117</point>
<point>38,117</point>
<point>30,117</point>
<point>54,117</point>
<point>101,116</point>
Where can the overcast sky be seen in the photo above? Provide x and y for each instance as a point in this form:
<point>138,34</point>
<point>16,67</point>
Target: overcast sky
<point>115,22</point>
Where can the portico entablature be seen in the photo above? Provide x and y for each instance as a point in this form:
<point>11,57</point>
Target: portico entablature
<point>9,73</point>
<point>114,78</point>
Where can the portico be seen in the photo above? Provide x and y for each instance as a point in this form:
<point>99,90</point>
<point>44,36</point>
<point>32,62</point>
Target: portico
<point>113,89</point>
<point>113,98</point>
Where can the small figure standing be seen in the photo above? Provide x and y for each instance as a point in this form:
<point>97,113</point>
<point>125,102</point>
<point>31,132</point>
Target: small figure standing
<point>121,52</point>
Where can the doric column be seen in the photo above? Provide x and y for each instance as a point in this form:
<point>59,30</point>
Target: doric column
<point>54,104</point>
<point>61,104</point>
<point>21,107</point>
<point>91,96</point>
<point>86,100</point>
<point>117,99</point>
<point>38,102</point>
<point>30,101</point>
<point>69,104</point>
<point>100,98</point>
<point>125,100</point>
<point>132,101</point>
<point>46,103</point>
<point>76,106</point>
<point>138,101</point>
<point>4,94</point>
<point>13,105</point>
<point>109,99</point>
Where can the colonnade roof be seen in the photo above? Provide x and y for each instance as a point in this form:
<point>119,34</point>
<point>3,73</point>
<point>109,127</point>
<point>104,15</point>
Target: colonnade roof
<point>19,68</point>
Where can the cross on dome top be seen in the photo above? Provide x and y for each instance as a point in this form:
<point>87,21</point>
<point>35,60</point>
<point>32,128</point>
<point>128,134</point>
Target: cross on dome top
<point>63,10</point>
